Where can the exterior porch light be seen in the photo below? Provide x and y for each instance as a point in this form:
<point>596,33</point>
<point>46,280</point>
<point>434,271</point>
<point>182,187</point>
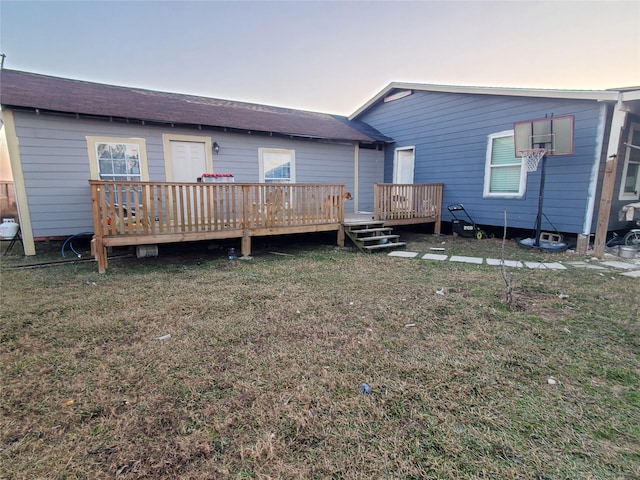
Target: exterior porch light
<point>216,147</point>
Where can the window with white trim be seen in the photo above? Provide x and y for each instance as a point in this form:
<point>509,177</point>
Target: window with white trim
<point>277,165</point>
<point>505,174</point>
<point>117,159</point>
<point>630,184</point>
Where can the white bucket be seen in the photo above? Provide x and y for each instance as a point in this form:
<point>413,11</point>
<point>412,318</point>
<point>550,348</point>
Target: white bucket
<point>144,251</point>
<point>8,228</point>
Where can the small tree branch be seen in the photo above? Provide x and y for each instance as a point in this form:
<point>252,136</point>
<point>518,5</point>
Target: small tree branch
<point>507,277</point>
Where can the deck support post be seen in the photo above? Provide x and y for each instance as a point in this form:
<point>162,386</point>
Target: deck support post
<point>341,235</point>
<point>246,244</point>
<point>100,253</point>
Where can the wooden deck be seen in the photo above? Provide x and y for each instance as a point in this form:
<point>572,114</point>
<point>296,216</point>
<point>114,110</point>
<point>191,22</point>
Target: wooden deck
<point>146,213</point>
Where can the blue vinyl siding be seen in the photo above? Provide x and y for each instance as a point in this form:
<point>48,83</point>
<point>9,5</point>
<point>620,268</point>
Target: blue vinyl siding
<point>450,131</point>
<point>55,163</point>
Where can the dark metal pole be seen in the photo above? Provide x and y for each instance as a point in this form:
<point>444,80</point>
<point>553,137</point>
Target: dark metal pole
<point>540,200</point>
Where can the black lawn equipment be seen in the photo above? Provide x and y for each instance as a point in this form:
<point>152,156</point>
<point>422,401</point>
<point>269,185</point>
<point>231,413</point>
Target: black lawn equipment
<point>462,227</point>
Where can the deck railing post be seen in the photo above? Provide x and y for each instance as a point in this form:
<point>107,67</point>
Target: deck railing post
<point>99,219</point>
<point>247,205</point>
<point>438,223</point>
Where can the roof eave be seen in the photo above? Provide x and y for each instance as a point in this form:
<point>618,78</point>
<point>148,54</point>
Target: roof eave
<point>631,95</point>
<point>143,121</point>
<point>596,95</point>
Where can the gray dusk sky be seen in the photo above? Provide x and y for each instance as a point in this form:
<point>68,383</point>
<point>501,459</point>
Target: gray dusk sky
<point>327,56</point>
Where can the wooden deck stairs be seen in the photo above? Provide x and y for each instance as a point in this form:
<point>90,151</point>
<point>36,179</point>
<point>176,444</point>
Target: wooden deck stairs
<point>371,236</point>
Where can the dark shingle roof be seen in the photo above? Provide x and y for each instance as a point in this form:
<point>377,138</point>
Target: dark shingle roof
<point>30,90</point>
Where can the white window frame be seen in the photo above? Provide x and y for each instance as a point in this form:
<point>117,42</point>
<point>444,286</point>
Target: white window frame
<point>281,151</point>
<point>628,160</point>
<point>488,169</point>
<point>139,143</point>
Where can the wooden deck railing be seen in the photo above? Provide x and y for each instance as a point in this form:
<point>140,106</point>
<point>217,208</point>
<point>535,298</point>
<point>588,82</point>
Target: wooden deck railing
<point>402,204</point>
<point>139,213</point>
<point>135,213</point>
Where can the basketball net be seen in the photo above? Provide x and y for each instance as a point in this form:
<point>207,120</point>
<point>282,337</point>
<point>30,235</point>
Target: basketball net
<point>531,157</point>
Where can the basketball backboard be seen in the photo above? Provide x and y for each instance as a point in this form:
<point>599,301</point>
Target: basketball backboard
<point>554,134</point>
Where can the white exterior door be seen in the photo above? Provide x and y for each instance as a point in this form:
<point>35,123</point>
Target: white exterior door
<point>188,161</point>
<point>403,165</point>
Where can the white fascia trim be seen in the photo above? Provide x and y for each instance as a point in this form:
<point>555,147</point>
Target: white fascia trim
<point>383,93</point>
<point>629,96</point>
<point>595,169</point>
<point>597,95</point>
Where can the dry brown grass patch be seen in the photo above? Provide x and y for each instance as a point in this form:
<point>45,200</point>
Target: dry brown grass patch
<point>260,376</point>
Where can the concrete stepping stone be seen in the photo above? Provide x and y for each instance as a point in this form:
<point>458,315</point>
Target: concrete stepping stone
<point>620,265</point>
<point>632,274</point>
<point>591,266</point>
<point>508,263</point>
<point>550,265</point>
<point>631,269</point>
<point>434,256</point>
<point>403,254</point>
<point>458,258</point>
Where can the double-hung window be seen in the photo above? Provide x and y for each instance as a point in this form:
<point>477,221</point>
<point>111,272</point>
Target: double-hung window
<point>505,174</point>
<point>277,165</point>
<point>117,159</point>
<point>630,185</point>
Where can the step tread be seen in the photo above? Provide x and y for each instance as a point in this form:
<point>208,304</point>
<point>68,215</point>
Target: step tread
<point>372,230</point>
<point>378,237</point>
<point>384,245</point>
<point>363,223</point>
